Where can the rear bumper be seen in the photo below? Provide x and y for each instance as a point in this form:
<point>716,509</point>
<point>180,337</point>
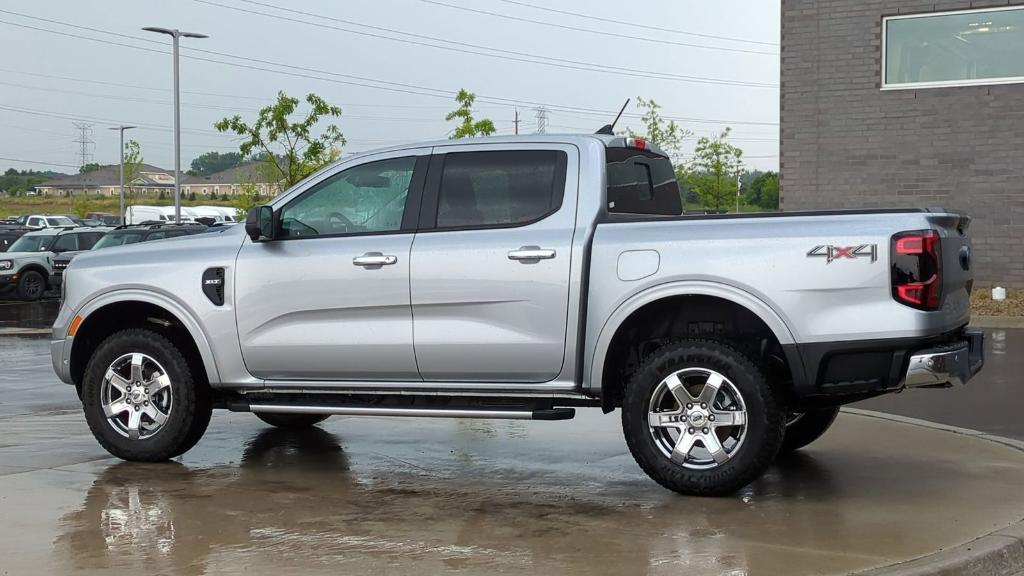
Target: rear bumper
<point>950,365</point>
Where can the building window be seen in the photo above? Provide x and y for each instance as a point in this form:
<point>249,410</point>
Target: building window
<point>963,48</point>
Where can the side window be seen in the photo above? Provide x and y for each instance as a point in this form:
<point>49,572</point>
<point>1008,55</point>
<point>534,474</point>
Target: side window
<point>35,221</point>
<point>65,243</point>
<point>88,240</point>
<point>365,198</point>
<point>156,236</point>
<point>175,233</point>
<point>641,182</point>
<point>500,188</point>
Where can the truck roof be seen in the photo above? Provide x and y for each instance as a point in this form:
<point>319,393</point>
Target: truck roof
<point>608,140</point>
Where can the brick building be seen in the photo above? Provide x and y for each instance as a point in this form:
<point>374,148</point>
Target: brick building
<point>889,103</point>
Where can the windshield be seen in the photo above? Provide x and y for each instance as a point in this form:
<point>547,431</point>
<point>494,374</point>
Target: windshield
<point>59,221</point>
<point>32,243</point>
<point>118,239</point>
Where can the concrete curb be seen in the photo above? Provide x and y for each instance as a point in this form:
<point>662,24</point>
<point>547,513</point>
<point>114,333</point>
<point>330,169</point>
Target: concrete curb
<point>997,322</point>
<point>1000,553</point>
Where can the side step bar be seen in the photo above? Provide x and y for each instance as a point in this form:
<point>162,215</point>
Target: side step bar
<point>536,414</point>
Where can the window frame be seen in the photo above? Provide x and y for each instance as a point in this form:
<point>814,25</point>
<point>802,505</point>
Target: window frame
<point>886,86</point>
<point>411,211</point>
<point>432,192</point>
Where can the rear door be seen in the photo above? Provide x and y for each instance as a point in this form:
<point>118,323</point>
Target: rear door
<point>491,263</point>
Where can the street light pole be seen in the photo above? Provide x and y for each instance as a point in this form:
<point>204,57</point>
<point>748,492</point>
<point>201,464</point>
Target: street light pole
<point>121,130</point>
<point>175,34</point>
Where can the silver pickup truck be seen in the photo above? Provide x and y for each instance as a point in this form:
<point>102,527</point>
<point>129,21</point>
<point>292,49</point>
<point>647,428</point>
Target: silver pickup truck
<point>521,277</point>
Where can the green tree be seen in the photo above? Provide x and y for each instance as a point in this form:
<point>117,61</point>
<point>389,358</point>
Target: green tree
<point>90,167</point>
<point>132,167</point>
<point>468,126</point>
<point>290,150</point>
<point>763,191</point>
<point>712,173</point>
<point>665,135</point>
<point>212,162</point>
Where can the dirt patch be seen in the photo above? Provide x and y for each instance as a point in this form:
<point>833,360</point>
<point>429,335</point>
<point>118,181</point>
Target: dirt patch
<point>983,305</point>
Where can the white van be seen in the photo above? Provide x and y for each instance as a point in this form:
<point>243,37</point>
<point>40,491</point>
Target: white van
<point>140,214</point>
<point>213,212</point>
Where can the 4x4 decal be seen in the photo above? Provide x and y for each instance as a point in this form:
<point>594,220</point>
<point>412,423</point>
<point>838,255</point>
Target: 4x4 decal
<point>831,253</point>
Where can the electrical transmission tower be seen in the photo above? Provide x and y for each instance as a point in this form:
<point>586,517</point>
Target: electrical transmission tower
<point>85,142</point>
<point>542,119</point>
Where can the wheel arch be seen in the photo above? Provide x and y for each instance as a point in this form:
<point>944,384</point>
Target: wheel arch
<point>110,312</point>
<point>698,303</point>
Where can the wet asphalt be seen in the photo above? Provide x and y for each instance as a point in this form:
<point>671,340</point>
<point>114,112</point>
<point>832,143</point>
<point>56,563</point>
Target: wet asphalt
<point>400,496</point>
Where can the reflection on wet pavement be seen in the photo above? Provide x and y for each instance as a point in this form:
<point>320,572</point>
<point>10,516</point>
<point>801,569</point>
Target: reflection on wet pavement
<point>16,314</point>
<point>426,496</point>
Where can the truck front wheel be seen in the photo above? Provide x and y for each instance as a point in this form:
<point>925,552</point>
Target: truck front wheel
<point>700,418</point>
<point>140,398</point>
<point>802,428</point>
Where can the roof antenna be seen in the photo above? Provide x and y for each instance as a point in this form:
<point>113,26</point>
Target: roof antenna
<point>609,129</point>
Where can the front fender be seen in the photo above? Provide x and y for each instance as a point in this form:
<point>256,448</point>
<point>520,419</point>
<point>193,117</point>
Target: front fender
<point>165,301</point>
<point>598,351</point>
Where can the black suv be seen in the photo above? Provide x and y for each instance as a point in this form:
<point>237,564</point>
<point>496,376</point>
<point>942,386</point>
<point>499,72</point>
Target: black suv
<point>11,230</point>
<point>127,234</point>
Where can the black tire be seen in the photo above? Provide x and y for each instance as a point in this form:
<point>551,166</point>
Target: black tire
<point>292,421</point>
<point>765,419</point>
<point>31,286</point>
<point>807,427</point>
<point>188,418</point>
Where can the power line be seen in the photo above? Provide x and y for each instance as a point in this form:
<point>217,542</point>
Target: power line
<point>38,162</point>
<point>598,32</point>
<point>501,53</point>
<point>635,25</point>
<point>409,88</point>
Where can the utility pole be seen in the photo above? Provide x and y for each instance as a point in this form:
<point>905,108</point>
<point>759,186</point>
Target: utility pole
<point>542,119</point>
<point>84,141</point>
<point>516,121</point>
<point>176,34</point>
<point>121,130</point>
<point>738,184</point>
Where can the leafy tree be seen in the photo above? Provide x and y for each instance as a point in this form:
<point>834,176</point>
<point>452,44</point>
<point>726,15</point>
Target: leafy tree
<point>763,191</point>
<point>132,167</point>
<point>468,127</point>
<point>90,167</point>
<point>290,150</point>
<point>713,171</point>
<point>192,196</point>
<point>667,136</point>
<point>212,162</point>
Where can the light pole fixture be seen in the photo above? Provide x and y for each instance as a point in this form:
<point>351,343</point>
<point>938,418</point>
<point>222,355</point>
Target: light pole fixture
<point>121,129</point>
<point>176,34</point>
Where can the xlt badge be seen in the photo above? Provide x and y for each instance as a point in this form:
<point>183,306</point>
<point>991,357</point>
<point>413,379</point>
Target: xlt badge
<point>831,253</point>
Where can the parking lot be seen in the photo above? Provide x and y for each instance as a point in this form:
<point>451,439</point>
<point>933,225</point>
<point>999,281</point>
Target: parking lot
<point>477,496</point>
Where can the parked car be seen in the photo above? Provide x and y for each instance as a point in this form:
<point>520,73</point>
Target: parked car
<point>10,231</point>
<point>121,236</point>
<point>39,221</point>
<point>522,277</point>
<point>227,213</point>
<point>26,265</point>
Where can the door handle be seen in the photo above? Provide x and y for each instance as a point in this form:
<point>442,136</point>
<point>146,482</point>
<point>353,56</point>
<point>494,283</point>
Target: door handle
<point>374,260</point>
<point>531,253</point>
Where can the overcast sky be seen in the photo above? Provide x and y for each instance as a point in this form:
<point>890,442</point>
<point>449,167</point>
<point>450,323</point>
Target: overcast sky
<point>392,65</point>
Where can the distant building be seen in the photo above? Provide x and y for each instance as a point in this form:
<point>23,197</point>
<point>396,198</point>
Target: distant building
<point>909,103</point>
<point>151,181</point>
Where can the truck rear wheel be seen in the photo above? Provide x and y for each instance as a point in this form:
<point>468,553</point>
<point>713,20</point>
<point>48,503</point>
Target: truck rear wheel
<point>802,428</point>
<point>140,398</point>
<point>700,418</point>
<point>292,421</point>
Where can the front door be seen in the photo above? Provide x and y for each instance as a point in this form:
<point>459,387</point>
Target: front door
<point>328,298</point>
<point>491,263</point>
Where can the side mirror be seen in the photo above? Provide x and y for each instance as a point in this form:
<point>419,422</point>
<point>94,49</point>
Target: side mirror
<point>259,223</point>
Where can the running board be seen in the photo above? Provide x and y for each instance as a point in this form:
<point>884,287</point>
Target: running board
<point>537,414</point>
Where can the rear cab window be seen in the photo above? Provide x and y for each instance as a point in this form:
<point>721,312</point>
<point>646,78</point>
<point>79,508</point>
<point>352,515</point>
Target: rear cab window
<point>641,182</point>
<point>500,188</point>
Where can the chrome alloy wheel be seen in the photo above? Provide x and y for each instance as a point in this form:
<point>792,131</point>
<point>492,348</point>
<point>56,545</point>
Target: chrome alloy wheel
<point>697,418</point>
<point>136,396</point>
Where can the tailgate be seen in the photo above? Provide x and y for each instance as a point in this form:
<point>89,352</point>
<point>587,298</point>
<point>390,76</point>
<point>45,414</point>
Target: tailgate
<point>957,261</point>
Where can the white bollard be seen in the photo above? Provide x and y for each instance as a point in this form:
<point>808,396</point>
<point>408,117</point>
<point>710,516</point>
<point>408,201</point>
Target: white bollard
<point>999,293</point>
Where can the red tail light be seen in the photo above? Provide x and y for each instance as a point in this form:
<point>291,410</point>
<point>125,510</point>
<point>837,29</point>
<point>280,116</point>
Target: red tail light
<point>917,269</point>
<point>637,143</point>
